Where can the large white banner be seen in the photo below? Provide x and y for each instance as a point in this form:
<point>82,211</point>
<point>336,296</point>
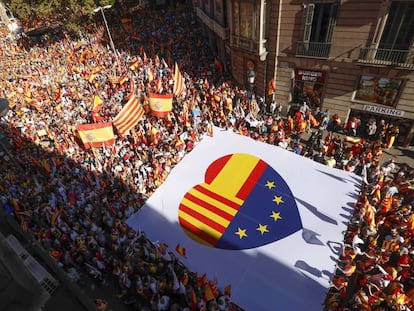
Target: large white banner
<point>263,219</point>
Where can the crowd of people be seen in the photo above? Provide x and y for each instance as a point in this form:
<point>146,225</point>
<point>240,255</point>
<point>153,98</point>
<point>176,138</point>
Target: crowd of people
<point>75,201</point>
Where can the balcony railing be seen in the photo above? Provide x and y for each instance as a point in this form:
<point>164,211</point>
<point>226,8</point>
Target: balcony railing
<point>246,44</point>
<point>387,57</point>
<point>313,49</point>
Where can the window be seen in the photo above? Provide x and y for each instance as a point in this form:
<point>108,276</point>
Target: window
<point>399,28</point>
<point>243,17</point>
<point>398,33</point>
<point>320,21</point>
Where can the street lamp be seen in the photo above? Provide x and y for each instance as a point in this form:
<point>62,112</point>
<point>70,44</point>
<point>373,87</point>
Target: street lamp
<point>102,8</point>
<point>251,76</point>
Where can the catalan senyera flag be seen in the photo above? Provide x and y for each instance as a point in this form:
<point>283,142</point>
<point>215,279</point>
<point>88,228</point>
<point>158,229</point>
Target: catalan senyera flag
<point>386,204</point>
<point>160,104</point>
<point>179,86</point>
<point>96,134</point>
<point>222,211</point>
<point>129,116</point>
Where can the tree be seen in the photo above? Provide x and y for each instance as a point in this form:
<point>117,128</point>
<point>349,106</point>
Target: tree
<point>69,14</point>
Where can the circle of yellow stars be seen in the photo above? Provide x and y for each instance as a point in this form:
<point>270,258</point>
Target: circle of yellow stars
<point>242,233</point>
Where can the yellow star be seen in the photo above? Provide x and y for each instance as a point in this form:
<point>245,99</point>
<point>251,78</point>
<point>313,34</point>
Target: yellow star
<point>277,200</point>
<point>262,229</point>
<point>241,233</point>
<point>275,216</point>
<point>270,184</point>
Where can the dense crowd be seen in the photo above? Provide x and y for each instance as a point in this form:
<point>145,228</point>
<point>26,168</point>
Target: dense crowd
<point>75,201</point>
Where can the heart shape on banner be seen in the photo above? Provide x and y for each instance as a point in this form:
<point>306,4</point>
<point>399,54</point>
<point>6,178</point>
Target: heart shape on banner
<point>243,203</point>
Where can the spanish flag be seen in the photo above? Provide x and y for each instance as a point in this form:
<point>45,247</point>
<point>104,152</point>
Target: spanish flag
<point>160,104</point>
<point>227,290</point>
<point>55,217</point>
<point>97,106</point>
<point>211,292</point>
<point>180,250</point>
<point>96,134</point>
<point>271,87</point>
<point>134,65</point>
<point>218,64</point>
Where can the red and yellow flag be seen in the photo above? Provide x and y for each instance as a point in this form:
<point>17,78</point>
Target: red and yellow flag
<point>129,116</point>
<point>211,292</point>
<point>180,250</point>
<point>97,106</point>
<point>179,86</point>
<point>160,104</point>
<point>218,64</point>
<point>96,134</point>
<point>134,65</point>
<point>271,87</point>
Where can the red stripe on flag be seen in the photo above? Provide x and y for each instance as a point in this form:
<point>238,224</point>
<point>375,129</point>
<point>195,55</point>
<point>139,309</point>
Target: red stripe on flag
<point>208,206</point>
<point>178,87</point>
<point>197,231</point>
<point>251,181</point>
<point>216,168</point>
<point>205,220</point>
<point>130,114</point>
<point>217,197</point>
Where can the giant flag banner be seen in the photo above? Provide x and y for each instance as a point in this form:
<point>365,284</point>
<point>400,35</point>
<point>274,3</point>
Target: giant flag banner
<point>160,104</point>
<point>256,217</point>
<point>96,134</point>
<point>130,114</point>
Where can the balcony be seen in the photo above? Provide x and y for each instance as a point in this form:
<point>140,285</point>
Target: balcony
<point>313,49</point>
<point>387,57</point>
<point>210,22</point>
<point>249,45</point>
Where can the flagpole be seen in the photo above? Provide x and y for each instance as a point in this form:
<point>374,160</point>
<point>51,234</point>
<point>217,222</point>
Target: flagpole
<point>279,18</point>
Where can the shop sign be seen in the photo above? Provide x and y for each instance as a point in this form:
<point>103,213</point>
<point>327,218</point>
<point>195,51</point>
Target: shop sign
<point>384,110</point>
<point>310,75</point>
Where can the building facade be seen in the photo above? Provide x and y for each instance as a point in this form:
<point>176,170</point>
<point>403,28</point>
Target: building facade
<point>350,57</point>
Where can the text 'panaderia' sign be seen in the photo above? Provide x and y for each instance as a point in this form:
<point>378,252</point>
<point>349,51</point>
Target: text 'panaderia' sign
<point>384,110</point>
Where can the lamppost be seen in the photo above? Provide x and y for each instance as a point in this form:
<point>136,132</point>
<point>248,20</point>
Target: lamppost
<point>251,76</point>
<point>102,8</point>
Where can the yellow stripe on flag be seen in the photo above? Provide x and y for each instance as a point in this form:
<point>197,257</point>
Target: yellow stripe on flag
<point>200,225</point>
<point>205,212</point>
<point>129,116</point>
<point>225,182</point>
<point>225,208</point>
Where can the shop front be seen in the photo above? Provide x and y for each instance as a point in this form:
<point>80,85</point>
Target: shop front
<point>392,117</point>
<point>376,100</point>
<point>308,86</point>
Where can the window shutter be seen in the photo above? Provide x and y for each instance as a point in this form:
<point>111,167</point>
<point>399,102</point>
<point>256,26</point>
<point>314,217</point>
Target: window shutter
<point>308,22</point>
<point>332,21</point>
